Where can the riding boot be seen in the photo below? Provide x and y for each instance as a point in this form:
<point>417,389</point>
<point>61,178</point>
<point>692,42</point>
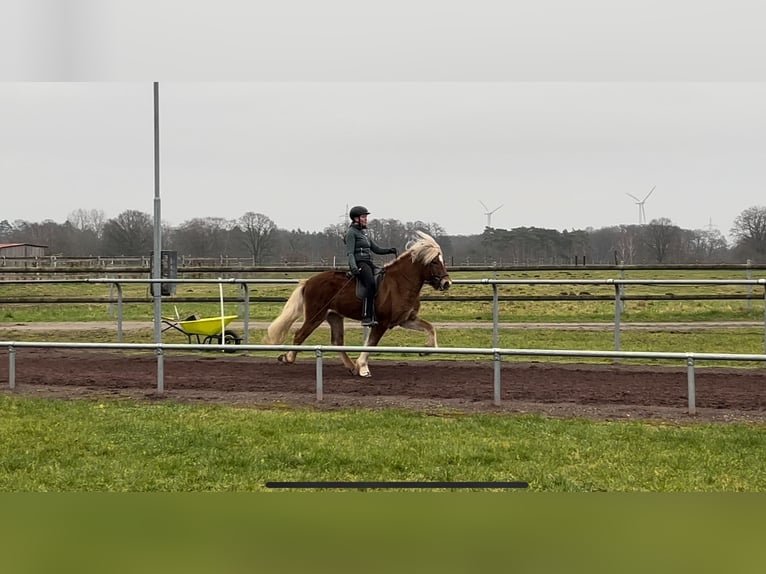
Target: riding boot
<point>368,312</point>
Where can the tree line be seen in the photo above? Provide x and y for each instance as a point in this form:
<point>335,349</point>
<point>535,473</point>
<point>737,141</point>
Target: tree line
<point>256,236</point>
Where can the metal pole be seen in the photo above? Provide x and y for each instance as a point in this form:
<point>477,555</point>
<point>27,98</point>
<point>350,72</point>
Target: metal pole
<point>495,317</point>
<point>119,312</point>
<point>496,362</point>
<point>617,299</point>
<point>246,296</point>
<point>690,385</point>
<point>320,390</point>
<point>12,367</point>
<point>157,287</point>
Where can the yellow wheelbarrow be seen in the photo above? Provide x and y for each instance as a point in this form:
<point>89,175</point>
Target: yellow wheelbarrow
<point>207,331</point>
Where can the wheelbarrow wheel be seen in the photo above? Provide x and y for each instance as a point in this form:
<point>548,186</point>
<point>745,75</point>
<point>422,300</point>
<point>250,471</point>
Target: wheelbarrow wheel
<point>231,338</point>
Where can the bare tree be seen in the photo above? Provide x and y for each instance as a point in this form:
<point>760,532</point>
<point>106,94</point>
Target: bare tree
<point>130,233</point>
<point>206,237</point>
<point>749,230</point>
<point>92,220</point>
<point>257,233</point>
<point>704,245</point>
<point>626,246</point>
<point>6,229</point>
<point>661,236</point>
<point>433,229</point>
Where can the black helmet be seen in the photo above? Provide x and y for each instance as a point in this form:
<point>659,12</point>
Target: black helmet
<point>357,211</point>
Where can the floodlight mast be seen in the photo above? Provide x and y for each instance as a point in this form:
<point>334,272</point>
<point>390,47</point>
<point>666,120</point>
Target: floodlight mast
<point>157,255</point>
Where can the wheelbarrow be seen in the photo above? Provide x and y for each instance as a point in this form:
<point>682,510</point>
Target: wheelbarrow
<point>206,331</point>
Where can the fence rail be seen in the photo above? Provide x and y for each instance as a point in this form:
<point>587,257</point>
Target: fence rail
<point>618,285</point>
<point>141,266</point>
<point>497,354</point>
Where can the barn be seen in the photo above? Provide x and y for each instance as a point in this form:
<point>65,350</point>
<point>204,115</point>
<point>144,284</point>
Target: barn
<point>28,250</point>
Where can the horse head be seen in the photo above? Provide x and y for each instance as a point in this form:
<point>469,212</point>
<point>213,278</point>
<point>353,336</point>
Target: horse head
<point>426,251</point>
<point>437,276</point>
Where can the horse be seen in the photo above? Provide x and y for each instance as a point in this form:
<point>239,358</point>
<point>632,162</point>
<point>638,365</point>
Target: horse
<point>331,296</point>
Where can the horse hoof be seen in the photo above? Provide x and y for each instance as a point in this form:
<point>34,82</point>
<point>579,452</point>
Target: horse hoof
<point>282,359</point>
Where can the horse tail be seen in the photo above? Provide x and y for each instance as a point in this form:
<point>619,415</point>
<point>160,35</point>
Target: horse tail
<point>291,312</point>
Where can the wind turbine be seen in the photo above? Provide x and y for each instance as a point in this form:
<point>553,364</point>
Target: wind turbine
<point>640,203</point>
<point>489,213</point>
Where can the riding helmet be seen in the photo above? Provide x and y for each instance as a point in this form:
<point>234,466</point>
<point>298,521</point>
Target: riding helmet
<point>357,211</point>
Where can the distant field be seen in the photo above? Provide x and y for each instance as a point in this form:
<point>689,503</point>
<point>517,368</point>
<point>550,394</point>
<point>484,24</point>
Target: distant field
<point>443,308</point>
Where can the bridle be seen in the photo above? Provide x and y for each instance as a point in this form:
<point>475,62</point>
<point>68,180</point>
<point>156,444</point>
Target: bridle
<point>435,280</point>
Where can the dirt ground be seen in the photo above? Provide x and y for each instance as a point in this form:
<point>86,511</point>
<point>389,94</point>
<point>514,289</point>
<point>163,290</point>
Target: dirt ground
<point>613,392</point>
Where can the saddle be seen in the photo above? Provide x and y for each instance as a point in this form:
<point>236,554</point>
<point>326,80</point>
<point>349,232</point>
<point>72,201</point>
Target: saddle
<point>361,292</point>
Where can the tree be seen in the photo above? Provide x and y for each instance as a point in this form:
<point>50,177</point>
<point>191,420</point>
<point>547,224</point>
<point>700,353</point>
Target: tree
<point>206,237</point>
<point>92,220</point>
<point>660,237</point>
<point>130,233</point>
<point>6,229</point>
<point>626,247</point>
<point>705,245</point>
<point>257,233</point>
<point>749,230</point>
<point>87,231</point>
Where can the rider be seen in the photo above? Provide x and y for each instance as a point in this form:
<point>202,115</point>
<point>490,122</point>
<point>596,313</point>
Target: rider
<point>360,248</point>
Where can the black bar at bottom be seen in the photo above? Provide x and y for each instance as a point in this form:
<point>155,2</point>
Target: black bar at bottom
<point>396,484</point>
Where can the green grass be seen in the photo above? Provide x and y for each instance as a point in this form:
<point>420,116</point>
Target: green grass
<point>58,446</point>
<point>117,445</point>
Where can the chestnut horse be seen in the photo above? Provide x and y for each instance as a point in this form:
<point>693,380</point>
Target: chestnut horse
<point>331,296</point>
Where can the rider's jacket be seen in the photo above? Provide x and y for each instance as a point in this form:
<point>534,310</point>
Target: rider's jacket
<point>360,247</point>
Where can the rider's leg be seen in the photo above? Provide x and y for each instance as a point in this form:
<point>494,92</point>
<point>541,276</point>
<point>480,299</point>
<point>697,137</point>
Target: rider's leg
<point>368,303</point>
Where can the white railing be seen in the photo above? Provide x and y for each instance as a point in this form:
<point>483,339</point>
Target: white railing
<point>618,285</point>
<point>319,351</point>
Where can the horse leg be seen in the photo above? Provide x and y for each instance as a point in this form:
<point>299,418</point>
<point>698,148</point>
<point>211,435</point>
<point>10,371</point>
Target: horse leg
<point>418,324</point>
<point>373,338</point>
<point>301,335</point>
<point>337,332</point>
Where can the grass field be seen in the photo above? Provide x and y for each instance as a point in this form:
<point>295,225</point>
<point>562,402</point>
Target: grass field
<point>63,446</point>
<point>124,446</point>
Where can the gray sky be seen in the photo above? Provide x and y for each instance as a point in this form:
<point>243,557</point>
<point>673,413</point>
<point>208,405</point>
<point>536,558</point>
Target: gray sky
<point>419,110</point>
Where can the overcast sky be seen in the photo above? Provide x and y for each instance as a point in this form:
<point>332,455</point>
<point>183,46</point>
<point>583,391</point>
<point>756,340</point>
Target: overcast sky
<point>546,114</point>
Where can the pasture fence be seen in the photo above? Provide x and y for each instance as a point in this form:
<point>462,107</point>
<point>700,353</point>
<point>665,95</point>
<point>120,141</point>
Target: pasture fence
<point>618,286</point>
<point>497,354</point>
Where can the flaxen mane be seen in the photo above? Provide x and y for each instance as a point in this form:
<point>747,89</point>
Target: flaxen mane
<point>422,249</point>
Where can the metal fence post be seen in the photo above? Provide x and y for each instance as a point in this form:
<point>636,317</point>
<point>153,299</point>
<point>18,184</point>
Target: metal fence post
<point>617,315</point>
<point>246,298</point>
<point>320,390</point>
<point>496,363</point>
<point>495,316</point>
<point>12,367</point>
<point>119,312</point>
<point>690,385</point>
<point>160,369</point>
<point>764,319</point>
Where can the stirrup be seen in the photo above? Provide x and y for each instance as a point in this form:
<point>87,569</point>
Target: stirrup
<point>369,322</point>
